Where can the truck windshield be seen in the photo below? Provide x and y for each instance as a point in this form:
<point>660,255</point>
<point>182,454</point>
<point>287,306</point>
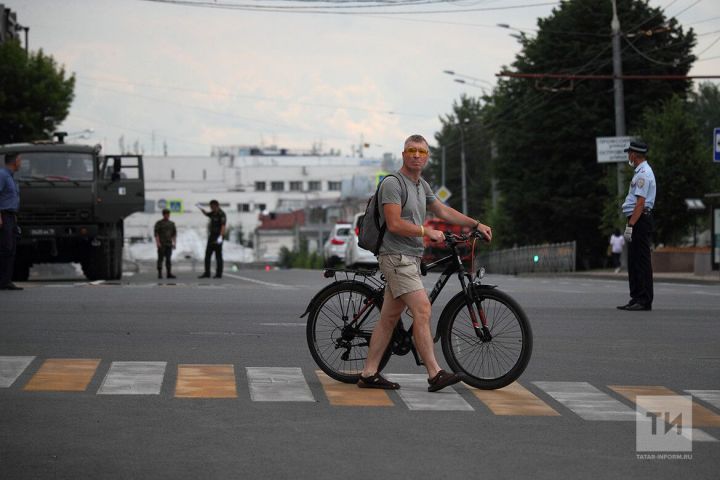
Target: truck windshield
<point>69,166</point>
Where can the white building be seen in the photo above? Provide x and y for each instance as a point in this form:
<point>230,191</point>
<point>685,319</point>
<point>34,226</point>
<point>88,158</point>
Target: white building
<point>244,186</point>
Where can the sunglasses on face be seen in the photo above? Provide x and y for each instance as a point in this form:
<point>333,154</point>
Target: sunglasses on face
<point>420,151</point>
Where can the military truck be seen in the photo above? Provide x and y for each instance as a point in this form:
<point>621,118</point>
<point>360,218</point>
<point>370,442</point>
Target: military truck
<point>73,201</point>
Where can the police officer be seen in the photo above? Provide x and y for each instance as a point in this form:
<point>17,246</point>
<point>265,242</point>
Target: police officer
<point>165,238</point>
<point>216,232</point>
<point>638,207</point>
<point>9,204</point>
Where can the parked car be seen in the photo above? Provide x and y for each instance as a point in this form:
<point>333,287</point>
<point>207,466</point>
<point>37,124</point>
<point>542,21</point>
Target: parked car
<point>354,255</point>
<point>334,248</point>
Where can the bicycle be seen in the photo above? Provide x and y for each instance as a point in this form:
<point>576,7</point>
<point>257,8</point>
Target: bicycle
<point>485,334</point>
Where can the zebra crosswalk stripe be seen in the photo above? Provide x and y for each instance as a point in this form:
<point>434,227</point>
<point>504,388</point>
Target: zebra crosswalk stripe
<point>11,368</point>
<point>514,400</point>
<point>133,378</point>
<point>708,396</point>
<point>349,395</point>
<point>206,381</point>
<point>588,402</point>
<point>63,375</point>
<point>278,384</point>
<point>413,391</point>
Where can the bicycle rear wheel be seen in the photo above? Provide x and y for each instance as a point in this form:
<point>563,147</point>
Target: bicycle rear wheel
<point>488,364</point>
<point>336,343</point>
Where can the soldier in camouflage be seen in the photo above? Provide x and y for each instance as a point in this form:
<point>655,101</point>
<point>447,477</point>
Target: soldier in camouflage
<point>165,237</point>
<point>216,233</point>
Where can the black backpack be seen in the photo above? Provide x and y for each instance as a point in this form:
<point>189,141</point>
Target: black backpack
<point>370,232</point>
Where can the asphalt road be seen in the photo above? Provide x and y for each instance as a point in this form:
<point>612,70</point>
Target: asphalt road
<point>250,319</point>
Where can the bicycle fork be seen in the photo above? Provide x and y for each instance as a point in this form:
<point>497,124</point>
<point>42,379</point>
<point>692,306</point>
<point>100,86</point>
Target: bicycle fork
<point>473,302</point>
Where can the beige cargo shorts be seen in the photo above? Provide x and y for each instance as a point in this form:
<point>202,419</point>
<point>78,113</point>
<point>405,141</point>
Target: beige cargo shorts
<point>402,273</point>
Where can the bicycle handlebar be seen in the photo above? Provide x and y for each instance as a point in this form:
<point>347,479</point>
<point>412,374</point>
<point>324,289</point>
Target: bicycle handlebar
<point>457,238</point>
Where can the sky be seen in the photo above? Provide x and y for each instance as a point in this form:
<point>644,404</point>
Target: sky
<point>192,77</point>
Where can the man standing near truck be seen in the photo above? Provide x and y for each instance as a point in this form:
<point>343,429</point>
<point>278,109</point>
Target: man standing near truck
<point>9,205</point>
<point>165,238</point>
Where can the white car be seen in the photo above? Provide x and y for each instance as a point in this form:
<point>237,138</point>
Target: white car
<point>354,255</point>
<point>334,248</point>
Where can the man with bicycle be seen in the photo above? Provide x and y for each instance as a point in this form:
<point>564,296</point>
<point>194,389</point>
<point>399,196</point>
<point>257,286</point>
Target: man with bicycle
<point>399,260</point>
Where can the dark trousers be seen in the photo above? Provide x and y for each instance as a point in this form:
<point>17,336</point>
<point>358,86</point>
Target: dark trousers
<point>616,260</point>
<point>212,246</point>
<point>8,245</point>
<point>164,252</point>
<point>640,272</point>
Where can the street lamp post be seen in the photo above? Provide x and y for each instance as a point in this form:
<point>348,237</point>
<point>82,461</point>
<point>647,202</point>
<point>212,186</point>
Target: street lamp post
<point>463,166</point>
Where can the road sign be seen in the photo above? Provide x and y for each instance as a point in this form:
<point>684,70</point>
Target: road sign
<point>610,149</point>
<point>443,193</point>
<point>716,136</point>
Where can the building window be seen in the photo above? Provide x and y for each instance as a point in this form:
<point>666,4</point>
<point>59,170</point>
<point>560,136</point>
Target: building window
<point>277,186</point>
<point>260,206</point>
<point>259,186</point>
<point>296,186</point>
<point>334,186</point>
<point>313,186</point>
<point>204,174</point>
<point>172,174</point>
<point>243,207</point>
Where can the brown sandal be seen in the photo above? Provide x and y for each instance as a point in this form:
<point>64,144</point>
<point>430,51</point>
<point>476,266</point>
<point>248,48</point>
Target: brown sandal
<point>441,380</point>
<point>377,381</point>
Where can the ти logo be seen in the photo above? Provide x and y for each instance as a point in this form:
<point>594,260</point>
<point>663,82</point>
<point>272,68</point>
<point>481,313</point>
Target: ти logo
<point>664,423</point>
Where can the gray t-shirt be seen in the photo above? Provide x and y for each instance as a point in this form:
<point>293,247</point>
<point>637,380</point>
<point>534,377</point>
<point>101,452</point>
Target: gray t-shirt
<point>420,195</point>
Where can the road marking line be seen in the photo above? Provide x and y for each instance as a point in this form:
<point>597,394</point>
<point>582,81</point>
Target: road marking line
<point>11,368</point>
<point>206,381</point>
<point>278,384</point>
<point>588,402</point>
<point>259,282</point>
<point>349,395</point>
<point>413,391</point>
<point>709,396</point>
<point>133,378</point>
<point>285,324</point>
<point>63,375</point>
<point>514,400</point>
<point>701,416</point>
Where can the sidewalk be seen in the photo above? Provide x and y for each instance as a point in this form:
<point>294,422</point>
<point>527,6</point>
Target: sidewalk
<point>689,277</point>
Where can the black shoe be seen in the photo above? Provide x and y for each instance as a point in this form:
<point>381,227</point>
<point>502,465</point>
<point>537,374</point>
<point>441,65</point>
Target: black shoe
<point>170,275</point>
<point>159,275</point>
<point>204,275</point>
<point>638,307</point>
<point>625,307</point>
<point>217,276</point>
<point>10,286</point>
<point>441,380</point>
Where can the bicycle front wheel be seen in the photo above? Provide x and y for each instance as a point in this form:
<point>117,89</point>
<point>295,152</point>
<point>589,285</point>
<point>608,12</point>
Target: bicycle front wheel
<point>339,329</point>
<point>488,364</point>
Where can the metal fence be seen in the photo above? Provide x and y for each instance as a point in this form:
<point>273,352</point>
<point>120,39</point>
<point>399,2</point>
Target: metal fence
<point>556,257</point>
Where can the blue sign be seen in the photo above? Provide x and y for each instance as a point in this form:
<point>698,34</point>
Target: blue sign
<point>716,142</point>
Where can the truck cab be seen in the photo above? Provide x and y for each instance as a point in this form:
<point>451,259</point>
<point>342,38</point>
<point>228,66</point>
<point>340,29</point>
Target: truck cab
<point>73,201</point>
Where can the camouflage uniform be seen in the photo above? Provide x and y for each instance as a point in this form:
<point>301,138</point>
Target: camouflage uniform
<point>217,220</point>
<point>165,232</point>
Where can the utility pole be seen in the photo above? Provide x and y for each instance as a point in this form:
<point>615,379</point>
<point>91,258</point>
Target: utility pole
<point>618,89</point>
<point>463,169</point>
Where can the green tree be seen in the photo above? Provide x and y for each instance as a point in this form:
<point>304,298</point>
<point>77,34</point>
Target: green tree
<point>705,108</point>
<point>552,187</point>
<point>35,95</point>
<point>681,165</point>
<point>465,121</point>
